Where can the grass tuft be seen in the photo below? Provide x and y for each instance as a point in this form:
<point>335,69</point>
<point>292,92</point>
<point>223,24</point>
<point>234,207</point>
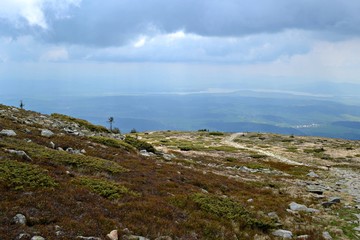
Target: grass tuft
<point>110,142</point>
<point>104,188</point>
<point>19,176</point>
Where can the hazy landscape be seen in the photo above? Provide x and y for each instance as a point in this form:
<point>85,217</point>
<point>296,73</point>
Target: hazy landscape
<point>328,112</point>
<point>179,120</point>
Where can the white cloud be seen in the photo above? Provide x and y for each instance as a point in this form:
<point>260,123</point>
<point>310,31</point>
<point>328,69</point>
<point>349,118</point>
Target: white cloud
<point>140,43</point>
<point>55,54</point>
<point>32,11</point>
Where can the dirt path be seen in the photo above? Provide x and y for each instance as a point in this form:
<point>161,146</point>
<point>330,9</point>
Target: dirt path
<point>349,180</point>
<point>230,141</point>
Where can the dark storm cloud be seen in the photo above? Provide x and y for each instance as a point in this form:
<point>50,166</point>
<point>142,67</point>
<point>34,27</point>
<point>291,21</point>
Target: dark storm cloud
<point>114,22</point>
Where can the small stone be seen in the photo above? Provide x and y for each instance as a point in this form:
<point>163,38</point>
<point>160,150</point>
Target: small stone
<point>250,200</point>
<point>327,204</point>
<point>52,145</point>
<point>312,174</point>
<point>19,219</point>
<point>273,215</point>
<point>297,207</point>
<point>113,235</point>
<point>283,233</point>
<point>134,237</point>
<point>88,238</point>
<point>83,151</point>
<point>327,236</point>
<point>168,157</point>
<point>163,238</point>
<point>46,133</point>
<point>334,199</point>
<point>37,238</point>
<point>302,237</point>
<point>21,154</point>
<point>23,236</point>
<point>357,228</point>
<point>9,133</point>
<point>316,190</point>
<point>144,153</point>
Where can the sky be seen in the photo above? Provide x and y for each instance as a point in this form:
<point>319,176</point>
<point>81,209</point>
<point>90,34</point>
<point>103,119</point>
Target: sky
<point>133,45</point>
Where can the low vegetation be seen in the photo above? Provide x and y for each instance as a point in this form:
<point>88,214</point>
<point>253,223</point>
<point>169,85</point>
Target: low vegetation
<point>23,176</point>
<point>197,186</point>
<point>104,188</point>
<point>139,144</point>
<point>81,122</point>
<point>110,142</point>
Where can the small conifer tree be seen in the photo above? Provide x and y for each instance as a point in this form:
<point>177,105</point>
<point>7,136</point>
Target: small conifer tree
<point>111,120</point>
<point>22,105</point>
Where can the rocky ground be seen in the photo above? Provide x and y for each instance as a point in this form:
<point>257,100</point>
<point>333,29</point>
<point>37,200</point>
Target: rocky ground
<point>65,178</point>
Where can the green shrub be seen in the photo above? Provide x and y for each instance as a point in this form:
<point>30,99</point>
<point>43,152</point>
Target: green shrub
<point>81,162</point>
<point>257,156</point>
<point>81,122</point>
<point>314,150</point>
<point>18,176</point>
<point>139,144</point>
<point>216,134</point>
<point>185,148</point>
<point>104,188</point>
<point>229,209</point>
<point>110,142</point>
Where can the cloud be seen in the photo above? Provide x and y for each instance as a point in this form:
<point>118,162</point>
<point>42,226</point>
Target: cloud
<point>56,54</point>
<point>32,13</point>
<point>114,23</point>
<point>183,47</point>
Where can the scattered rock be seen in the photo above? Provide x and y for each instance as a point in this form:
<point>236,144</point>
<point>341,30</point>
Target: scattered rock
<point>250,200</point>
<point>59,231</point>
<point>332,201</point>
<point>83,151</point>
<point>113,235</point>
<point>283,233</point>
<point>312,174</point>
<point>9,133</point>
<point>20,153</point>
<point>37,238</point>
<point>52,145</point>
<point>88,238</point>
<point>19,219</point>
<point>23,236</point>
<point>134,237</point>
<point>315,189</point>
<point>302,237</point>
<point>163,238</point>
<point>46,133</point>
<point>297,207</point>
<point>274,216</point>
<point>144,153</point>
<point>357,228</point>
<point>168,157</point>
<point>327,236</point>
<point>73,151</point>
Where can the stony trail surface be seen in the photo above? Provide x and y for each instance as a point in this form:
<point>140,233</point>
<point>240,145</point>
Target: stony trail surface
<point>350,182</point>
<point>230,141</point>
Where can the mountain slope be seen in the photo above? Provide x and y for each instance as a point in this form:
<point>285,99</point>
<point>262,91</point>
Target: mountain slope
<point>68,179</point>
